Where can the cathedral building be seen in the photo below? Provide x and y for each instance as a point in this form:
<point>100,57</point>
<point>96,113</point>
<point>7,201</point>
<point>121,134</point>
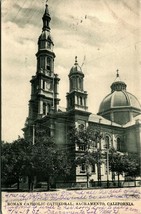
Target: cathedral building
<point>118,117</point>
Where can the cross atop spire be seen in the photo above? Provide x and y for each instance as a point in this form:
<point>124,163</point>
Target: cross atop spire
<point>46,9</point>
<point>117,72</point>
<point>76,60</point>
<point>117,76</point>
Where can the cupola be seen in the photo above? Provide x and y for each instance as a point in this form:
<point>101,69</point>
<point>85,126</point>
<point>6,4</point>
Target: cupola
<point>76,69</point>
<point>118,85</point>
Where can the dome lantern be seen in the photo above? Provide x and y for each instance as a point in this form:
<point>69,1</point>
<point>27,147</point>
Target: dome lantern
<point>118,85</point>
<point>76,69</point>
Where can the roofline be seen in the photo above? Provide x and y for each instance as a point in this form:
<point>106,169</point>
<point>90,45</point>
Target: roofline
<point>124,108</point>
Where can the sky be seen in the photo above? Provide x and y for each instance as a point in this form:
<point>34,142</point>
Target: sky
<point>105,35</point>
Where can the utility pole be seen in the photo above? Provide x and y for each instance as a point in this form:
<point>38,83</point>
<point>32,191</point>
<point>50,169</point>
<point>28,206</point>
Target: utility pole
<point>107,163</point>
<point>31,182</point>
<point>33,135</point>
<point>53,74</point>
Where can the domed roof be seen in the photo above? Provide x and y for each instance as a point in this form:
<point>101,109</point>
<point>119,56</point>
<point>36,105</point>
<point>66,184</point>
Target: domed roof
<point>119,102</point>
<point>119,99</point>
<point>76,69</point>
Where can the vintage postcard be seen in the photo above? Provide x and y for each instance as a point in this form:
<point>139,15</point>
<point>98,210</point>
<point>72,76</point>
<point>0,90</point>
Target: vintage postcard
<point>71,107</point>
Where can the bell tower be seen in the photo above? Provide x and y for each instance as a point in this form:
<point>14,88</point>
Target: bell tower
<point>44,85</point>
<point>77,97</point>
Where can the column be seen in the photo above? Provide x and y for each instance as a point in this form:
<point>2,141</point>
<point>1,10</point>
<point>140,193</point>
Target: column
<point>52,65</point>
<point>85,102</point>
<point>112,116</point>
<point>75,99</point>
<point>82,84</point>
<point>77,83</point>
<point>46,109</point>
<point>41,84</point>
<point>45,62</point>
<point>40,107</point>
<point>131,116</point>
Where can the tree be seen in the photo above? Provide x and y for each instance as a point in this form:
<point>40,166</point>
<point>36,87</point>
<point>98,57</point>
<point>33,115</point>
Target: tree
<point>23,159</point>
<point>116,163</point>
<point>88,141</point>
<point>7,166</point>
<point>123,164</point>
<point>132,166</point>
<point>22,154</point>
<point>49,161</point>
<point>16,157</point>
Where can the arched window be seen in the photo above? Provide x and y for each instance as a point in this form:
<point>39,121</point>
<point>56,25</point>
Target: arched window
<point>93,168</point>
<point>107,142</point>
<point>71,84</point>
<point>44,108</point>
<point>42,62</point>
<point>43,84</point>
<point>81,127</point>
<point>82,168</point>
<point>48,109</point>
<point>49,63</point>
<point>77,100</point>
<point>81,103</point>
<point>42,44</point>
<point>79,83</point>
<point>118,144</point>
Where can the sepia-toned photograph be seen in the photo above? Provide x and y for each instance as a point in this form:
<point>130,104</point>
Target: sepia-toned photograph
<point>71,107</point>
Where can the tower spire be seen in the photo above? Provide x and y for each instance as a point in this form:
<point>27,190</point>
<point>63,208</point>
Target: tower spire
<point>46,18</point>
<point>44,95</point>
